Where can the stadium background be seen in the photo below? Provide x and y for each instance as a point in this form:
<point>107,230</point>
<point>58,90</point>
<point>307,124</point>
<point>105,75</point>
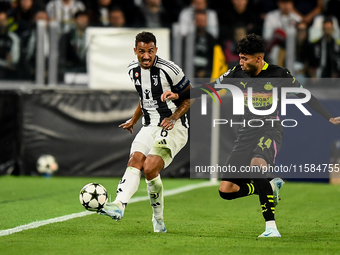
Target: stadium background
<point>77,122</point>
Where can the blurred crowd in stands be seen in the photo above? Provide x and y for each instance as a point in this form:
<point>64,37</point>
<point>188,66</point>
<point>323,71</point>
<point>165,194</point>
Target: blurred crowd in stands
<point>218,23</point>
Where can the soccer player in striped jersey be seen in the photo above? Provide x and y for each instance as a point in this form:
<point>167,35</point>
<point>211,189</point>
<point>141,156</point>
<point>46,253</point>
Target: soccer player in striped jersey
<point>164,132</point>
<point>256,147</point>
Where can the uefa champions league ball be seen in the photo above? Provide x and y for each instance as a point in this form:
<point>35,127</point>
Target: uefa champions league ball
<point>93,196</point>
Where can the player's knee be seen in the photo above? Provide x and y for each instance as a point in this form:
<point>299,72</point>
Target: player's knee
<point>258,160</point>
<point>227,195</point>
<point>152,166</point>
<point>136,160</point>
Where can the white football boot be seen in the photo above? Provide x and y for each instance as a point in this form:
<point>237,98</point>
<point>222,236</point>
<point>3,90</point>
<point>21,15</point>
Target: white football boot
<point>115,210</point>
<point>158,225</point>
<point>270,232</point>
<point>276,184</point>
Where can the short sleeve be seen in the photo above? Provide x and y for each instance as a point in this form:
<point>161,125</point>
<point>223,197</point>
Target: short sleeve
<point>290,80</point>
<point>227,74</point>
<point>179,81</point>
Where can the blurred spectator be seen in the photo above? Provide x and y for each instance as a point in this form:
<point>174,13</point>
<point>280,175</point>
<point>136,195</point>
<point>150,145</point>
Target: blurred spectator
<point>308,9</point>
<point>117,18</point>
<point>239,15</point>
<point>63,11</point>
<point>151,14</point>
<point>230,46</point>
<point>21,18</point>
<point>325,55</point>
<point>315,30</point>
<point>9,50</point>
<point>187,16</point>
<point>282,18</point>
<point>99,12</point>
<point>302,50</point>
<point>28,44</point>
<point>203,48</point>
<point>275,26</point>
<point>72,47</point>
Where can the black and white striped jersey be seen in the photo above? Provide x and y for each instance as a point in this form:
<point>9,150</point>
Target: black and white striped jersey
<point>150,84</point>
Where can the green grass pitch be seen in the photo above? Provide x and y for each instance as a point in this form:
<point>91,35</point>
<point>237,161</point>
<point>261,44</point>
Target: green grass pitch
<point>198,221</point>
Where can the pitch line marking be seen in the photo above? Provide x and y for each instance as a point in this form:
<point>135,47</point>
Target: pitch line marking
<point>37,224</point>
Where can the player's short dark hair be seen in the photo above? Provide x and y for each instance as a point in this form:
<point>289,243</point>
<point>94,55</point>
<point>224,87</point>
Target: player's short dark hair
<point>145,37</point>
<point>251,45</point>
<point>328,19</point>
<point>80,13</point>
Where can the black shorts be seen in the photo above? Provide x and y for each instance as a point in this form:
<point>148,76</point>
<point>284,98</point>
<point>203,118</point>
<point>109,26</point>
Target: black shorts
<point>264,142</point>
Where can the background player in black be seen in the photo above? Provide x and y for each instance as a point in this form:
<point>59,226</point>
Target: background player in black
<point>256,147</point>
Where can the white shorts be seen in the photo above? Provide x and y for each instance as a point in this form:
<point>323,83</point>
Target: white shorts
<point>153,140</point>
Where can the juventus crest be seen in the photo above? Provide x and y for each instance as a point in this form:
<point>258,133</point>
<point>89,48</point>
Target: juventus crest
<point>155,80</point>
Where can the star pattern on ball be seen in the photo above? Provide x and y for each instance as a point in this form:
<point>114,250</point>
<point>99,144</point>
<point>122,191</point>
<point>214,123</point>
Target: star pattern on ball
<point>93,192</point>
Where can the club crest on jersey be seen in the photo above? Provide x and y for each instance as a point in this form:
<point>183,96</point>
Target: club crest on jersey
<point>155,79</point>
<point>268,86</point>
<point>136,74</point>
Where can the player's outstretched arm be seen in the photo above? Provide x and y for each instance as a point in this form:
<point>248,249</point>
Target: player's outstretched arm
<point>128,125</point>
<point>168,123</point>
<point>185,94</point>
<point>315,104</point>
<point>335,121</point>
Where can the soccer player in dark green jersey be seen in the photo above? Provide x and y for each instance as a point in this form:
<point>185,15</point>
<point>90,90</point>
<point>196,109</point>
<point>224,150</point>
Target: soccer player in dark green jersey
<point>256,147</point>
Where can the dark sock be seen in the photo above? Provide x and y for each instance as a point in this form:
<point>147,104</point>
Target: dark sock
<point>246,189</point>
<point>265,192</point>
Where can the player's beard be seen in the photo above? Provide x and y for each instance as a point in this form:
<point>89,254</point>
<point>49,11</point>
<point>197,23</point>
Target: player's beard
<point>250,69</point>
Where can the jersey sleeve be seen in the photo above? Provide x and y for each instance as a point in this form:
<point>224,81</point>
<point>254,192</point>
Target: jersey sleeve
<point>227,74</point>
<point>130,68</point>
<point>179,81</point>
<point>313,102</point>
<point>198,91</point>
<point>290,80</point>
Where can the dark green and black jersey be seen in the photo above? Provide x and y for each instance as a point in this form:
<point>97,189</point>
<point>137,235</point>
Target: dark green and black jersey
<point>271,76</point>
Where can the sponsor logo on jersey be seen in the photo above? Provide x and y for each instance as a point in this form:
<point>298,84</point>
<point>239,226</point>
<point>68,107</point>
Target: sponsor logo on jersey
<point>147,93</point>
<point>136,74</point>
<point>150,104</point>
<point>244,84</point>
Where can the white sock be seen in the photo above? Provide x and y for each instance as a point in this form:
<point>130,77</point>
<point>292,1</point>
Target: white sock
<point>128,185</point>
<point>155,190</point>
<point>271,224</point>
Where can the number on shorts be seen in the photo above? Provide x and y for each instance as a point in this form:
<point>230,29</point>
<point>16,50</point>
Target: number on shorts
<point>267,143</point>
<point>164,133</point>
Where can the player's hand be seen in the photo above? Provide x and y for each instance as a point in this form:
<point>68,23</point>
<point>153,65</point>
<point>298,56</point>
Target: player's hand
<point>168,124</point>
<point>128,125</point>
<point>335,121</point>
<point>169,95</point>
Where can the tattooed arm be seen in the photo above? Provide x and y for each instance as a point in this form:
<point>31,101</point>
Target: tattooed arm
<point>168,123</point>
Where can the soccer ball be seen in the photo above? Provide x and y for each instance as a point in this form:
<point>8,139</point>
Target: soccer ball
<point>47,164</point>
<point>93,196</point>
